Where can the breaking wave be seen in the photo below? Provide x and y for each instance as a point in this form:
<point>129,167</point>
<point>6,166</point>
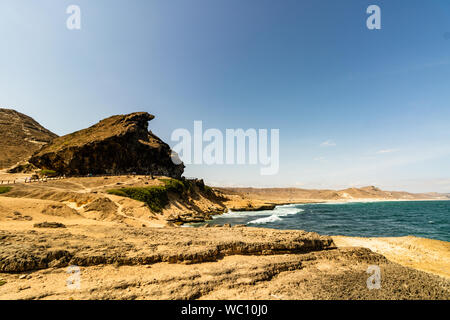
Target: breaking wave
<point>277,214</point>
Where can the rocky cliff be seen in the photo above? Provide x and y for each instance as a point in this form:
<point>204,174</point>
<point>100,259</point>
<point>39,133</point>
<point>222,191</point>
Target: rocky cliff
<point>20,137</point>
<point>118,144</point>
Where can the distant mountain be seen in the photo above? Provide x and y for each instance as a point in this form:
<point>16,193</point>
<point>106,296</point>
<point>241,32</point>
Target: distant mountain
<point>296,194</point>
<point>20,137</point>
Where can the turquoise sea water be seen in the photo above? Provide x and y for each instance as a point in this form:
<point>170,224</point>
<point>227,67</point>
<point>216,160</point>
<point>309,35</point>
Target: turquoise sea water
<point>429,219</point>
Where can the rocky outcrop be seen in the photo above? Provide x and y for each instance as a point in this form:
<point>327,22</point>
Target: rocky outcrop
<point>130,246</point>
<point>119,144</point>
<point>251,207</point>
<point>198,263</point>
<point>20,137</point>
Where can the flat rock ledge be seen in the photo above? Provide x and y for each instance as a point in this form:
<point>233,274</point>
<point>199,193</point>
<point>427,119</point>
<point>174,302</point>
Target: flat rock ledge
<point>42,249</point>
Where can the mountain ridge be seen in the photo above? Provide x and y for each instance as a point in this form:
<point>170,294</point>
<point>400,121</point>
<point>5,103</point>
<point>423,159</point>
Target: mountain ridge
<point>348,194</point>
<point>20,137</point>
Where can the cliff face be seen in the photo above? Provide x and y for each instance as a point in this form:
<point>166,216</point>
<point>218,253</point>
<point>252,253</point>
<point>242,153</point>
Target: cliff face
<point>20,137</point>
<point>118,144</point>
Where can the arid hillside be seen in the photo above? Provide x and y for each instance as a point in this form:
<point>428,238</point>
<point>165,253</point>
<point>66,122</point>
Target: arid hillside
<point>296,195</point>
<point>128,200</point>
<point>20,137</point>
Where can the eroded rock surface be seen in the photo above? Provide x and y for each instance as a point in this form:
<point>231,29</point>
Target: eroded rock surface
<point>203,263</point>
<point>33,250</point>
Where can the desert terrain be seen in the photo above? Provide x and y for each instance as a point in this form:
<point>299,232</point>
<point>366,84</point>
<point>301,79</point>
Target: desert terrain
<point>126,251</point>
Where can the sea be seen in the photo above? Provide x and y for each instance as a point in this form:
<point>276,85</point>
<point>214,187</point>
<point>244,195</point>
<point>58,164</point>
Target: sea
<point>427,219</point>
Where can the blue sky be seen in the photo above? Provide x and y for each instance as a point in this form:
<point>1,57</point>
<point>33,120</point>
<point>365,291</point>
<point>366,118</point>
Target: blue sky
<point>312,69</point>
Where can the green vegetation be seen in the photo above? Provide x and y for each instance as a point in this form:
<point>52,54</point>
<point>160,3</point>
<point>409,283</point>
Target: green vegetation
<point>48,173</point>
<point>156,197</point>
<point>208,190</point>
<point>5,189</point>
<point>174,185</point>
<point>2,282</point>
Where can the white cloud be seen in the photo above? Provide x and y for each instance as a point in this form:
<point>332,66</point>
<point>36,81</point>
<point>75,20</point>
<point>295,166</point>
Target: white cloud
<point>386,151</point>
<point>328,143</point>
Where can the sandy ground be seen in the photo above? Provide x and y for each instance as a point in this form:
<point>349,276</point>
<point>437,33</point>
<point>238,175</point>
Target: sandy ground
<point>428,255</point>
<point>88,198</point>
<point>18,177</point>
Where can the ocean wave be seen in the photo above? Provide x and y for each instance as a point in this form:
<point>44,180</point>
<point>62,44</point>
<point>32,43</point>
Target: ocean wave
<point>273,218</point>
<point>277,214</point>
<point>287,211</point>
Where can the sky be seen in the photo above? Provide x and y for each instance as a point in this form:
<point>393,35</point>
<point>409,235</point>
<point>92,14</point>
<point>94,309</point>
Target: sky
<point>353,106</point>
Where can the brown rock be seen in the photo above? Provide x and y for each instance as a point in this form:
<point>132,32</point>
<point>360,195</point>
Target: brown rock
<point>119,144</point>
<point>49,225</point>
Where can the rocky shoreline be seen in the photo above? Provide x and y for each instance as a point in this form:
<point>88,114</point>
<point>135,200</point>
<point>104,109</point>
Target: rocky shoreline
<point>198,263</point>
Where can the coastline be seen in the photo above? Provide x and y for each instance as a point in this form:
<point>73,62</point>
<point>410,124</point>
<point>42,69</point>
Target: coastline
<point>127,251</point>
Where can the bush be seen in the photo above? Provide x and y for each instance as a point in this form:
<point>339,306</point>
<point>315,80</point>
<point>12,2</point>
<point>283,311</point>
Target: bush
<point>5,189</point>
<point>208,190</point>
<point>48,173</point>
<point>155,197</point>
<point>174,185</point>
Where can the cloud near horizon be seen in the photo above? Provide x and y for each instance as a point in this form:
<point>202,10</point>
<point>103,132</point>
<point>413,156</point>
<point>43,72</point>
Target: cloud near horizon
<point>387,151</point>
<point>328,143</point>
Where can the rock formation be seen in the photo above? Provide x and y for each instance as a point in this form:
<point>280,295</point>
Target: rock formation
<point>199,263</point>
<point>20,137</point>
<point>118,144</point>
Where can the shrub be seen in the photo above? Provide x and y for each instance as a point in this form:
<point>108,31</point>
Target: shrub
<point>174,185</point>
<point>155,197</point>
<point>208,190</point>
<point>5,189</point>
<point>48,173</point>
